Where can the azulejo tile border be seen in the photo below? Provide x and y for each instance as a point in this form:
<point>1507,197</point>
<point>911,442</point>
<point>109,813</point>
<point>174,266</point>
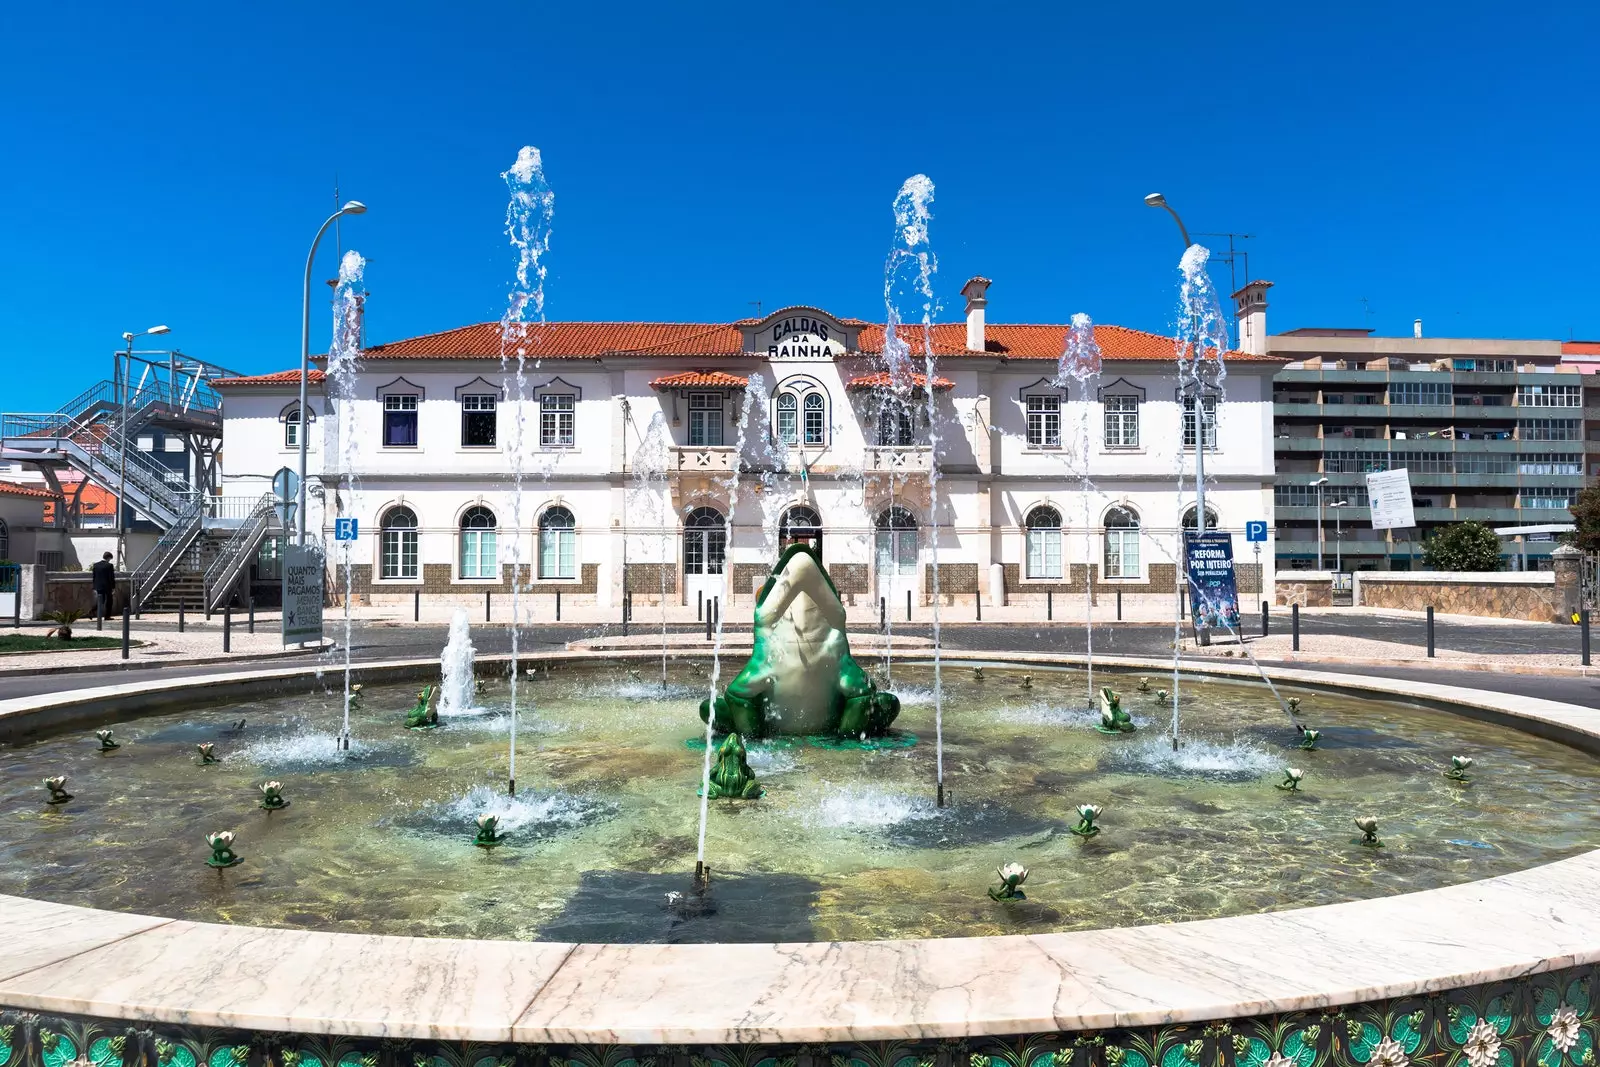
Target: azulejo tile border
<point>1550,1020</point>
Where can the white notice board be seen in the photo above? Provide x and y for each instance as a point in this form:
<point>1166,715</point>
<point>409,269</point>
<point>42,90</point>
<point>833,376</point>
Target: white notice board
<point>1390,494</point>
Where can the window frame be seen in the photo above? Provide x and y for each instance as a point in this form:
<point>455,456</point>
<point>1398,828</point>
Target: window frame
<point>1122,543</point>
<point>1041,410</point>
<point>701,420</point>
<point>484,542</point>
<point>787,405</point>
<point>563,539</point>
<point>400,544</point>
<point>817,436</point>
<point>558,420</point>
<point>472,404</point>
<point>395,408</point>
<point>706,541</point>
<point>1123,418</point>
<point>1044,558</point>
<point>1190,431</point>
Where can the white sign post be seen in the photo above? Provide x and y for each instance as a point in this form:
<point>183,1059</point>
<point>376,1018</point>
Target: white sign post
<point>302,593</point>
<point>1389,493</point>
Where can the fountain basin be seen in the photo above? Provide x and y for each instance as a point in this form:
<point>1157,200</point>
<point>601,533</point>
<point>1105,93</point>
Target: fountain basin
<point>1374,954</point>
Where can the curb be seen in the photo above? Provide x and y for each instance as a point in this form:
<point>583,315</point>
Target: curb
<point>242,658</point>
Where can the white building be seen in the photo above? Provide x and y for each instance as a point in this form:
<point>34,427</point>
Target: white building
<point>834,453</point>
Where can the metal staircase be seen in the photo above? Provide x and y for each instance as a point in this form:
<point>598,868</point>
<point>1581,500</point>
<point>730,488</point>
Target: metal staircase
<point>234,555</point>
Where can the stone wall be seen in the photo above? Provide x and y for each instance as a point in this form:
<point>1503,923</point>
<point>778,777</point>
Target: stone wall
<point>957,581</point>
<point>1533,596</point>
<point>438,579</point>
<point>1309,589</point>
<point>649,578</point>
<point>71,591</point>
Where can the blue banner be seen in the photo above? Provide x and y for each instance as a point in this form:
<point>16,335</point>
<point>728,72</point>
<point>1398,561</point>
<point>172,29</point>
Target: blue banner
<point>1213,593</point>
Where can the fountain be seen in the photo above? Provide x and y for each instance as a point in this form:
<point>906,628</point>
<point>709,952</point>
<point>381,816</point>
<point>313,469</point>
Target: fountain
<point>1079,369</point>
<point>458,694</point>
<point>650,508</point>
<point>343,373</point>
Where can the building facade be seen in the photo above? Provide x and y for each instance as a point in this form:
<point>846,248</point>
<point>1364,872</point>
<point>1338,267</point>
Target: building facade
<point>632,464</point>
<point>1488,430</point>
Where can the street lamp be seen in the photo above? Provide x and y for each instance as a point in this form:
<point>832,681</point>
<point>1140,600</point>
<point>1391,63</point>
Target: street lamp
<point>354,207</point>
<point>1338,535</point>
<point>122,454</point>
<point>1319,483</point>
<point>1201,636</point>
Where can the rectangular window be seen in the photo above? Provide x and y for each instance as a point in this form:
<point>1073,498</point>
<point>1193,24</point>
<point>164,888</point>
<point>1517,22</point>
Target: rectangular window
<point>556,415</point>
<point>1044,552</point>
<point>399,555</point>
<point>1122,421</point>
<point>788,433</point>
<point>1122,552</point>
<point>1548,430</point>
<point>147,443</point>
<point>478,420</point>
<point>1434,393</point>
<point>1487,366</point>
<point>816,430</point>
<point>291,431</point>
<point>1546,498</point>
<point>172,444</point>
<point>895,426</point>
<point>705,419</point>
<point>399,422</point>
<point>1424,462</point>
<point>1305,496</point>
<point>1044,421</point>
<point>558,553</point>
<point>1550,463</point>
<point>1210,421</point>
<point>1354,462</point>
<point>1485,463</point>
<point>1550,396</point>
<point>478,557</point>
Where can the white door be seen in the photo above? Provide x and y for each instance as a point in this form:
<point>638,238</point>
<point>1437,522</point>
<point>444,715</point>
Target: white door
<point>895,559</point>
<point>705,541</point>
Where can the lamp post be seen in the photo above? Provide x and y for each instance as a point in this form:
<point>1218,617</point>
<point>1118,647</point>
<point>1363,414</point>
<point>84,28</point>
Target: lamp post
<point>1158,200</point>
<point>354,207</point>
<point>1319,483</point>
<point>122,454</point>
<point>1338,535</point>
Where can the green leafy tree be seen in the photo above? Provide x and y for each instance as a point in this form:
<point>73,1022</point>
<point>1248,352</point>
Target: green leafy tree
<point>1585,510</point>
<point>1463,546</point>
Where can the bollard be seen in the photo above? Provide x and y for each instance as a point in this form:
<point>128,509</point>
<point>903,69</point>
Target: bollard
<point>250,606</point>
<point>883,614</point>
<point>627,604</point>
<point>227,628</point>
<point>558,604</point>
<point>1430,631</point>
<point>1119,605</point>
<point>908,605</point>
<point>716,611</point>
<point>1294,626</point>
<point>99,610</point>
<point>416,605</point>
<point>1266,625</point>
<point>180,615</point>
<point>707,615</point>
<point>124,631</point>
<point>699,604</point>
<point>1583,623</point>
<point>1049,606</point>
<point>486,605</point>
<point>977,598</point>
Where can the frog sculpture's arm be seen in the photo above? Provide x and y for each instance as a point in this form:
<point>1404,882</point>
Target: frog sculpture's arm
<point>742,707</point>
<point>866,711</point>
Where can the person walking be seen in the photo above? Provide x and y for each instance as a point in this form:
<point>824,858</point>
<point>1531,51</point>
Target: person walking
<point>105,584</point>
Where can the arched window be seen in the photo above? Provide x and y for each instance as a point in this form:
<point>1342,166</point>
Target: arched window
<point>478,549</point>
<point>801,523</point>
<point>896,542</point>
<point>5,540</point>
<point>705,541</point>
<point>397,544</point>
<point>816,423</point>
<point>788,409</point>
<point>1189,518</point>
<point>1122,543</point>
<point>1044,543</point>
<point>558,544</point>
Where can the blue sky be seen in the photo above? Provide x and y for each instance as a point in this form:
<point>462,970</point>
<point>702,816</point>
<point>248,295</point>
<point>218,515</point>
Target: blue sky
<point>172,165</point>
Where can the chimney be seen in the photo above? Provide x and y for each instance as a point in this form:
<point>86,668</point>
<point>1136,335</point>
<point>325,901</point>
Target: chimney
<point>1250,308</point>
<point>1416,327</point>
<point>976,291</point>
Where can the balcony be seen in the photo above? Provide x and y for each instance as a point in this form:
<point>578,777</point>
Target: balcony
<point>711,459</point>
<point>908,459</point>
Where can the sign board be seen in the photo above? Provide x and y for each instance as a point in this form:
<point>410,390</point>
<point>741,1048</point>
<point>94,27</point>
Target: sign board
<point>1390,496</point>
<point>803,333</point>
<point>1255,531</point>
<point>1213,592</point>
<point>302,593</point>
<point>286,487</point>
<point>345,529</point>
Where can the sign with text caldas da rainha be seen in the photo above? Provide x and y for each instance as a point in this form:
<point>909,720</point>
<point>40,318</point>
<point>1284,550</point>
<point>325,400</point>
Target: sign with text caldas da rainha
<point>1213,592</point>
<point>302,593</point>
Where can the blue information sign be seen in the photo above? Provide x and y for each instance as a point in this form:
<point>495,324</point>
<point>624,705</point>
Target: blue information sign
<point>344,529</point>
<point>1213,594</point>
<point>1255,531</point>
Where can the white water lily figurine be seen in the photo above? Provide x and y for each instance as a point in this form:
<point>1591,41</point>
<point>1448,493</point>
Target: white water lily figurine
<point>355,697</point>
<point>1294,705</point>
<point>1027,681</point>
<point>1012,875</point>
<point>1458,769</point>
<point>1368,825</point>
<point>1144,685</point>
<point>488,833</point>
<point>1162,695</point>
<point>272,797</point>
<point>977,674</point>
<point>58,789</point>
<point>106,744</point>
<point>1291,779</point>
<point>1308,738</point>
<point>222,854</point>
<point>1087,814</point>
<point>208,751</point>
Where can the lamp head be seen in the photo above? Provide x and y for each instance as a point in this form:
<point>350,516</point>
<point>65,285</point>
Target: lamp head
<point>159,329</point>
<point>1320,481</point>
<point>1155,200</point>
<point>353,207</point>
<point>126,336</point>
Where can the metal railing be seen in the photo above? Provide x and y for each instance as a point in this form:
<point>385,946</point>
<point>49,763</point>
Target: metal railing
<point>154,568</point>
<point>235,554</point>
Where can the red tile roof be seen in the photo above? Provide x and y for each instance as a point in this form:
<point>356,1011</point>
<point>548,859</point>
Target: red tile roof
<point>92,499</point>
<point>1580,348</point>
<point>702,378</point>
<point>13,489</point>
<point>283,377</point>
<point>882,380</point>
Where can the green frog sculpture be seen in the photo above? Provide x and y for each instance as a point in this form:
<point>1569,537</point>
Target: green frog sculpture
<point>1113,720</point>
<point>731,776</point>
<point>425,714</point>
<point>800,678</point>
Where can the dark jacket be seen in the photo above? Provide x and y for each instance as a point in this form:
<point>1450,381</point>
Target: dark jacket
<point>105,576</point>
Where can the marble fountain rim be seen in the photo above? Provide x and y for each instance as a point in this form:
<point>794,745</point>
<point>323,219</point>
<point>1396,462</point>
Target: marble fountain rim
<point>71,960</point>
